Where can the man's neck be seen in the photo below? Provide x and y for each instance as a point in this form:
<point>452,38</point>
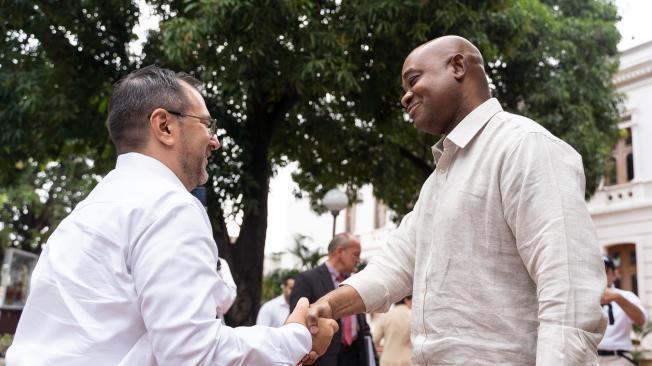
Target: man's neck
<point>335,265</point>
<point>468,105</point>
<point>166,158</point>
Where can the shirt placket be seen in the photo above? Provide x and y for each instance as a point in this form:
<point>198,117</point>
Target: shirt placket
<point>444,163</point>
<point>441,175</point>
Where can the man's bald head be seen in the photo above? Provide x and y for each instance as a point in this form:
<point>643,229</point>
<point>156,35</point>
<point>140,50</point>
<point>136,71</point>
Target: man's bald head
<point>451,45</point>
<point>444,80</point>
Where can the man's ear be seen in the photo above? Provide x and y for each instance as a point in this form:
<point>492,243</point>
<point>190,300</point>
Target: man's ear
<point>458,63</point>
<point>162,125</point>
<point>340,249</point>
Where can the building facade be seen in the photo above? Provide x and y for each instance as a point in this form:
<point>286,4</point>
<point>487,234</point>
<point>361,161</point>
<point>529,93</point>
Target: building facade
<point>622,207</point>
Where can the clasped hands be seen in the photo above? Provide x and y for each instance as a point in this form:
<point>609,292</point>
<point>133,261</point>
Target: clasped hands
<point>609,295</point>
<point>317,318</point>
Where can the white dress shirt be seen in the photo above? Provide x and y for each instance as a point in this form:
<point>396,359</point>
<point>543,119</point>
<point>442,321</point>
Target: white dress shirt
<point>499,251</point>
<point>273,313</point>
<point>617,336</point>
<point>129,278</point>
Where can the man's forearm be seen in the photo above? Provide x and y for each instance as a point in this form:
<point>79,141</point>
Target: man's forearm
<point>334,305</point>
<point>343,301</point>
<point>631,310</point>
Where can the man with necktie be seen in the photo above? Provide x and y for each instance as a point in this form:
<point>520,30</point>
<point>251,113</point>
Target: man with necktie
<point>623,309</point>
<point>347,347</point>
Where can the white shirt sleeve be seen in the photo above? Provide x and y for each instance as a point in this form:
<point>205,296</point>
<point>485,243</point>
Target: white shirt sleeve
<point>544,206</point>
<point>265,317</point>
<point>631,297</point>
<point>389,275</point>
<point>173,265</point>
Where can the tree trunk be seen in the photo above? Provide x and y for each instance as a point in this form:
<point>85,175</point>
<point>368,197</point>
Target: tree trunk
<point>247,254</point>
<point>245,257</point>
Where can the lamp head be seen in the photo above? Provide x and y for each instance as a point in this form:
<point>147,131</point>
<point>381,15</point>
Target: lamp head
<point>335,200</point>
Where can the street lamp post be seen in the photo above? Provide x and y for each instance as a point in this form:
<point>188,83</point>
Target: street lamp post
<point>335,200</point>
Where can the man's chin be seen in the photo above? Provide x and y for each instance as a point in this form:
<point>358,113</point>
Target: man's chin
<point>203,178</point>
<point>422,126</point>
<point>425,127</point>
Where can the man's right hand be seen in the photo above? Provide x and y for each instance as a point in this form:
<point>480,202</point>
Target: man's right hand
<point>320,309</point>
<point>321,340</point>
<point>324,329</point>
<point>608,296</point>
<point>327,307</point>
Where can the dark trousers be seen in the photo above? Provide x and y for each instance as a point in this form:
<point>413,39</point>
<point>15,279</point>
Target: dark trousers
<point>349,356</point>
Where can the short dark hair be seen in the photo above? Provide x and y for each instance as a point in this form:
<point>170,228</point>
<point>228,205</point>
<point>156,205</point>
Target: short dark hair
<point>609,262</point>
<point>136,95</point>
<point>286,278</point>
<point>339,240</point>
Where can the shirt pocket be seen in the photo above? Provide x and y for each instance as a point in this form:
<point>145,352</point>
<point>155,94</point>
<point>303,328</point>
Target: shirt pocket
<point>474,208</point>
<point>475,190</point>
<point>473,204</point>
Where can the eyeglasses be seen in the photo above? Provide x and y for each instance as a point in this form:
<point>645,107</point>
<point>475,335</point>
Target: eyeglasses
<point>210,123</point>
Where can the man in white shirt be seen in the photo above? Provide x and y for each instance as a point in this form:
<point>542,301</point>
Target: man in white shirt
<point>499,251</point>
<point>622,308</point>
<point>130,276</point>
<point>274,312</point>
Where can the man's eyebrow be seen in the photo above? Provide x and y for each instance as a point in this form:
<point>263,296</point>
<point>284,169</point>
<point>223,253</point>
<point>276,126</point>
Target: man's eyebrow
<point>410,70</point>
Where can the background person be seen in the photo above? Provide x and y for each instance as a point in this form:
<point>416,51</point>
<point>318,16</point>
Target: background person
<point>348,346</point>
<point>622,308</point>
<point>392,335</point>
<point>274,313</point>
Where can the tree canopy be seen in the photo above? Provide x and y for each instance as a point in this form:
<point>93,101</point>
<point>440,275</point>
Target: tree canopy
<point>316,82</point>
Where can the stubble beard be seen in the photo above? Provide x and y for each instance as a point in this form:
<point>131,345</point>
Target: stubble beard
<point>194,170</point>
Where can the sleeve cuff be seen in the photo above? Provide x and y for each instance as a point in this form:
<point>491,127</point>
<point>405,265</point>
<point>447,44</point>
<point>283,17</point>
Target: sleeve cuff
<point>369,285</point>
<point>561,345</point>
<point>299,341</point>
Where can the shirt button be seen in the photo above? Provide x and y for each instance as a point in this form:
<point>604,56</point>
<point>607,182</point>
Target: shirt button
<point>442,170</point>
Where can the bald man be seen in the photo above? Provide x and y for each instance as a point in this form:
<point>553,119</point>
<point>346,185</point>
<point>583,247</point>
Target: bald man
<point>499,251</point>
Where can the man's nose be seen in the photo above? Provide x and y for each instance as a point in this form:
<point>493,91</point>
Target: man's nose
<point>405,101</point>
<point>214,143</point>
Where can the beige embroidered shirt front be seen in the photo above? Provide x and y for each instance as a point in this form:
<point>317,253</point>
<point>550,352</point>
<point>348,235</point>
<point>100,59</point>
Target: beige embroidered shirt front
<point>500,252</point>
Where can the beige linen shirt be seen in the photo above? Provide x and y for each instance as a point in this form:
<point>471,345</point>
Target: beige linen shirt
<point>499,252</point>
<point>393,330</point>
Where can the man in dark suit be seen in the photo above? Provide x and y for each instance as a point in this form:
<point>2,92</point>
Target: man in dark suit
<point>348,346</point>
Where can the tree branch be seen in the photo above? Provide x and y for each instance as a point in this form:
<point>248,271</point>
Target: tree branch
<point>419,163</point>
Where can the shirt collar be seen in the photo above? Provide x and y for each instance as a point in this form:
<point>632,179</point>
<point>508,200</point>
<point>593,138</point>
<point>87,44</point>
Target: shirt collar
<point>464,132</point>
<point>141,162</point>
<point>334,273</point>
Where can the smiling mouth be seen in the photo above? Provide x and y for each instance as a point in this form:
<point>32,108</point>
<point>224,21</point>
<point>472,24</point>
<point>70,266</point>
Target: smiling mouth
<point>412,108</point>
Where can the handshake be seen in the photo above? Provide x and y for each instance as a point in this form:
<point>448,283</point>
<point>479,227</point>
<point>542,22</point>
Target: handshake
<point>317,318</point>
